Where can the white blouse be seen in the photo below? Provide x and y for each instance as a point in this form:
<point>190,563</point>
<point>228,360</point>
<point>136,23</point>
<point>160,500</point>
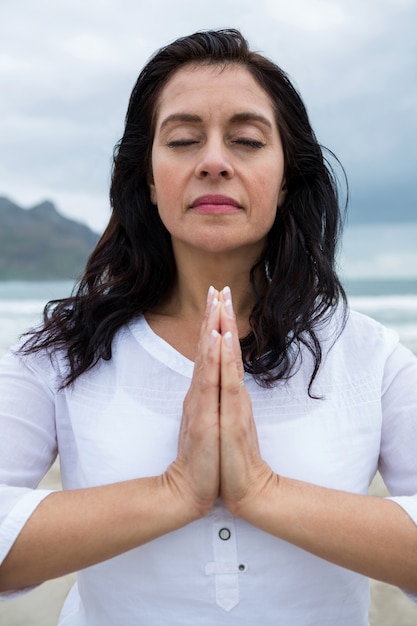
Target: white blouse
<point>121,421</point>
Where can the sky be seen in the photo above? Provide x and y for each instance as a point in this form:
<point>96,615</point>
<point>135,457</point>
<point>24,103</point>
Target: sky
<point>67,69</point>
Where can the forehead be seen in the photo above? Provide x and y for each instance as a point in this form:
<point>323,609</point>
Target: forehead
<point>213,88</point>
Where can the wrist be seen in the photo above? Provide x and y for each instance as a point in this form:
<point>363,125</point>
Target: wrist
<point>185,504</point>
<point>260,495</point>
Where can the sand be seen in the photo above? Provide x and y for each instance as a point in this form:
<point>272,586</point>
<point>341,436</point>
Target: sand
<point>41,607</point>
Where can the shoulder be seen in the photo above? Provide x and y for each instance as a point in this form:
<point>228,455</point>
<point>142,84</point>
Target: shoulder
<point>362,355</point>
<point>361,330</point>
<point>29,373</point>
<point>360,346</point>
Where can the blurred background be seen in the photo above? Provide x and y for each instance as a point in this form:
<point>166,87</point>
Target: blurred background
<point>66,72</point>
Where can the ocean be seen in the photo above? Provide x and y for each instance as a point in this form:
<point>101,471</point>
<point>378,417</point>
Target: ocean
<point>22,303</point>
<point>390,301</point>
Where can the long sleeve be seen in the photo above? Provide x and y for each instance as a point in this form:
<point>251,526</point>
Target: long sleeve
<point>398,454</point>
<point>398,457</point>
<point>28,444</point>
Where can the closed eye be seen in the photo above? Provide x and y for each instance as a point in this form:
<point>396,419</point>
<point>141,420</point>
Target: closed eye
<point>180,143</point>
<point>250,143</point>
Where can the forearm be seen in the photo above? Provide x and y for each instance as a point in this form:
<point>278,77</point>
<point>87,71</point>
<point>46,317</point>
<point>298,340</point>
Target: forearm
<point>72,530</point>
<point>369,535</point>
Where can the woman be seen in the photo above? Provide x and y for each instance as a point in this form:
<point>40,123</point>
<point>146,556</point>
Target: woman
<point>218,414</point>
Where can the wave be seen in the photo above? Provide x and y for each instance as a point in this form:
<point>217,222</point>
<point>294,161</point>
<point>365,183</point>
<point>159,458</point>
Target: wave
<point>21,307</point>
<point>398,312</point>
<point>396,302</point>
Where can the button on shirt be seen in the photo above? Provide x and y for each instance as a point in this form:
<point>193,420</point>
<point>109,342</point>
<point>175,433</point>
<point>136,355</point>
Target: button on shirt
<point>121,421</point>
<point>224,533</point>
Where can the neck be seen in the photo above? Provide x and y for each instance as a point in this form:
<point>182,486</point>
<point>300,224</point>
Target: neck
<point>195,275</point>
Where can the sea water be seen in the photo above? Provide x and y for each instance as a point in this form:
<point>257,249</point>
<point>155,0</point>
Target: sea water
<point>22,304</point>
<point>393,302</point>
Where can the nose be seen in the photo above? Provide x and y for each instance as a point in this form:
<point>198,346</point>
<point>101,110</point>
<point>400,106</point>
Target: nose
<point>214,161</point>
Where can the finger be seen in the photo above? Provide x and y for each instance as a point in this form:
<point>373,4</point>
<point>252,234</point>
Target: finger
<point>198,443</point>
<point>228,324</point>
<point>201,403</point>
<point>235,424</point>
<point>235,403</point>
<point>204,391</point>
<point>211,312</point>
<point>240,457</point>
<point>198,460</point>
<point>231,371</point>
<point>211,320</point>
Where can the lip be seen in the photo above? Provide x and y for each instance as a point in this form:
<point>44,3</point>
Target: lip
<point>215,203</point>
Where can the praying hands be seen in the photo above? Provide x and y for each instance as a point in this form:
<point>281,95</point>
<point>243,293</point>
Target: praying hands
<point>218,451</point>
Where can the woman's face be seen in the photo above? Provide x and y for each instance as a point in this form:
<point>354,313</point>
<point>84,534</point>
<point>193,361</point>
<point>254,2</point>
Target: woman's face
<point>217,160</point>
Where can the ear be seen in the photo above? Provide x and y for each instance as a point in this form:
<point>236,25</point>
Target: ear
<point>282,194</point>
<point>152,192</point>
<point>152,189</point>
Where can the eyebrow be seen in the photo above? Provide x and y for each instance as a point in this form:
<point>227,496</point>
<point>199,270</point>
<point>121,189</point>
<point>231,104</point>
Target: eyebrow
<point>251,117</point>
<point>180,117</point>
<point>245,116</point>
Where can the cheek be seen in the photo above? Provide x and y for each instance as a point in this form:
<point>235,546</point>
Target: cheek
<point>165,185</point>
<point>269,194</point>
<point>269,199</point>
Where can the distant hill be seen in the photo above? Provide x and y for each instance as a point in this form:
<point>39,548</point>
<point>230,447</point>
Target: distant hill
<point>41,244</point>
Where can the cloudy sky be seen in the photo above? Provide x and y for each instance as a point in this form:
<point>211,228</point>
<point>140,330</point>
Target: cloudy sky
<point>67,68</point>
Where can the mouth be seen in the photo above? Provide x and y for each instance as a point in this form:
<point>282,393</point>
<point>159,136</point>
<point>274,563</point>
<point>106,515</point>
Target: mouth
<point>215,204</point>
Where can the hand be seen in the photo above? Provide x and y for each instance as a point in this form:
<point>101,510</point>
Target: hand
<point>243,474</point>
<point>195,473</point>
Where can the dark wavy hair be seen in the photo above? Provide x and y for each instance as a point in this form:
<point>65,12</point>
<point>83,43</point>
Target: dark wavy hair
<point>132,268</point>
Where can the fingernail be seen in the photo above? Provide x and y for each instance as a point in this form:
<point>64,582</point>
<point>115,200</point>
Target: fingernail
<point>213,336</point>
<point>227,297</point>
<point>229,308</point>
<point>210,293</point>
<point>214,305</point>
<point>228,339</point>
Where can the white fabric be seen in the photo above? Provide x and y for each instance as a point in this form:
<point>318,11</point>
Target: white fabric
<point>121,421</point>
